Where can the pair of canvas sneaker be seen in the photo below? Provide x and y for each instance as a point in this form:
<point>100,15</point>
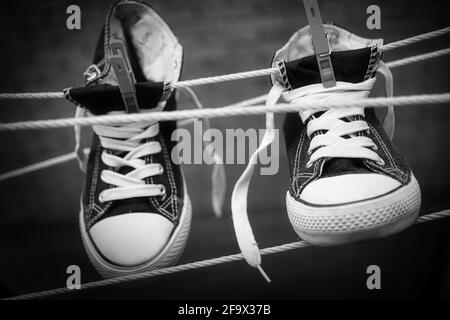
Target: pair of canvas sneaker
<point>348,183</point>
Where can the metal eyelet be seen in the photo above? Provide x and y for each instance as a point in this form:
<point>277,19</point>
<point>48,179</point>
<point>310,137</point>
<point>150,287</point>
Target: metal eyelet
<point>161,169</point>
<point>162,190</point>
<point>100,198</point>
<point>92,72</point>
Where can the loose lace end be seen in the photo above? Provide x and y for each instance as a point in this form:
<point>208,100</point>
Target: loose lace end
<point>241,223</point>
<point>265,276</point>
<point>218,178</point>
<point>219,184</point>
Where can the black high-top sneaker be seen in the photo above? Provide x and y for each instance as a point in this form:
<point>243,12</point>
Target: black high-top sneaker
<point>135,211</point>
<point>348,182</point>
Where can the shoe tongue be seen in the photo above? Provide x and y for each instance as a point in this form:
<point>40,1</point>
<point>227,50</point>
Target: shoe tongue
<point>348,66</point>
<point>102,99</point>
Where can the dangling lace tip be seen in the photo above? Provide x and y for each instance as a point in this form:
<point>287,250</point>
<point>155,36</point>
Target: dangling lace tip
<point>265,276</point>
<point>218,213</point>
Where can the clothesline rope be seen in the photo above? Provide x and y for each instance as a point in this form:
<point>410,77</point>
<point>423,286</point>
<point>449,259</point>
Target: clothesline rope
<point>72,155</point>
<point>40,165</point>
<point>260,99</point>
<point>232,76</point>
<point>224,111</point>
<point>429,99</point>
<point>192,265</point>
<point>417,58</point>
<point>415,39</point>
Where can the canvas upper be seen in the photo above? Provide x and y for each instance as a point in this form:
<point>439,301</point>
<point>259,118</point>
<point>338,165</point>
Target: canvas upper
<point>133,230</point>
<point>336,180</point>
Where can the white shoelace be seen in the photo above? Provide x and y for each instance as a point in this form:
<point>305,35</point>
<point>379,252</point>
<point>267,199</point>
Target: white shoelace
<point>130,138</point>
<point>218,177</point>
<point>330,144</point>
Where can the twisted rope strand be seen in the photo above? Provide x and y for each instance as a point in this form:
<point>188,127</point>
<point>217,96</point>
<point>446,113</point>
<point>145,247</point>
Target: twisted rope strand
<point>193,265</point>
<point>226,77</point>
<point>31,95</point>
<point>40,165</point>
<point>419,57</point>
<point>415,39</point>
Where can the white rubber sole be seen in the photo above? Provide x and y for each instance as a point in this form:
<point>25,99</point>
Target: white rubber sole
<point>355,222</point>
<point>169,256</point>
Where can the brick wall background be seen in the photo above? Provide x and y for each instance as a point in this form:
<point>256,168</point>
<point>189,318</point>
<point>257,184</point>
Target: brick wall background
<point>38,225</point>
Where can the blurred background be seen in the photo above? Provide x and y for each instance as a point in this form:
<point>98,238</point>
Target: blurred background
<point>39,235</point>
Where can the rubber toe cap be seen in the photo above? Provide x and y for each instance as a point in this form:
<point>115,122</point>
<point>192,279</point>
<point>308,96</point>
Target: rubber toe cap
<point>347,188</point>
<point>131,239</point>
